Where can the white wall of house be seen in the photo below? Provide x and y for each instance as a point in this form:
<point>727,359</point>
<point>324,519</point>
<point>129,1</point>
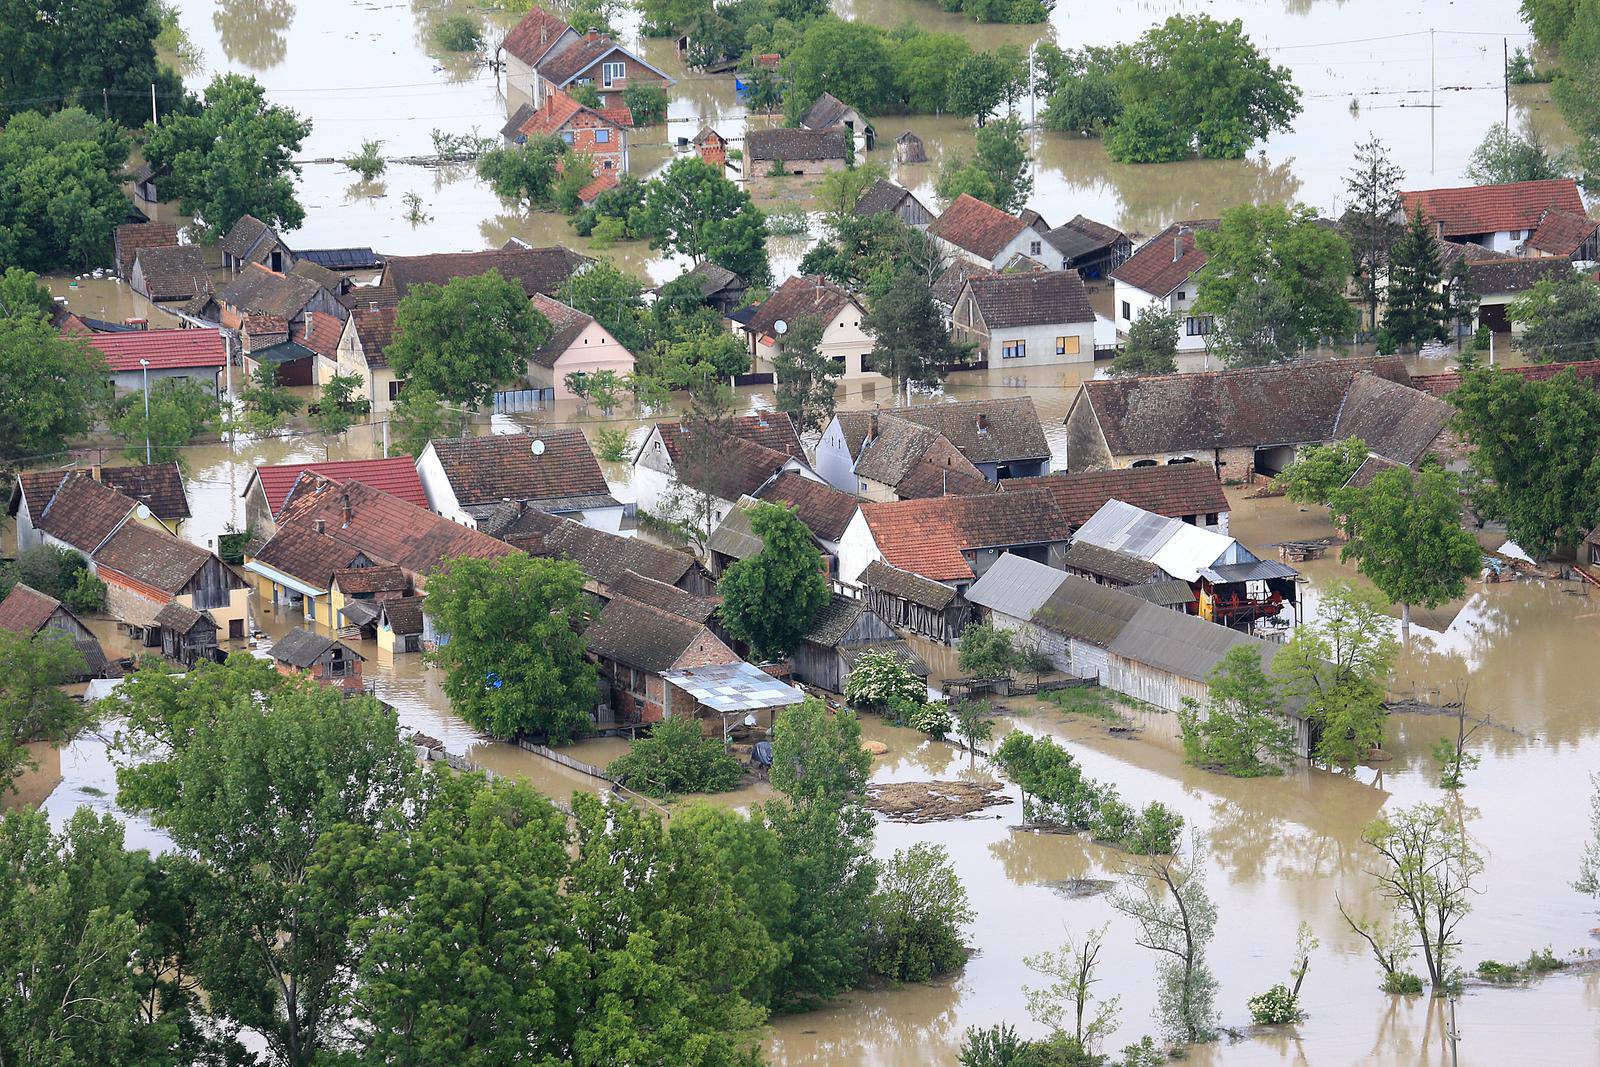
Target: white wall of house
<point>1043,346</point>
<point>843,340</point>
<point>1130,301</point>
<point>376,382</point>
<point>832,458</point>
<point>132,381</point>
<point>608,519</point>
<point>857,548</point>
<point>1027,243</point>
<point>592,350</point>
<point>436,486</point>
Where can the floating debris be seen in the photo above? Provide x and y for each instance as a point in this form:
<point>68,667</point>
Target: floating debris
<point>920,802</point>
<point>1079,888</point>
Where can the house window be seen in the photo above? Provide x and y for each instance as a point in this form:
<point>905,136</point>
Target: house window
<point>566,135</point>
<point>1127,312</point>
<point>1067,346</point>
<point>1033,248</point>
<point>612,72</point>
<point>1211,518</point>
<point>602,136</point>
<point>1013,349</point>
<point>1198,327</point>
<point>1181,294</point>
<point>1516,235</point>
<point>394,389</point>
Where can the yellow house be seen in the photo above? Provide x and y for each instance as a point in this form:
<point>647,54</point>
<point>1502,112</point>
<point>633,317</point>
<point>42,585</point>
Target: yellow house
<point>145,569</point>
<point>295,571</point>
<point>400,625</point>
<point>360,352</point>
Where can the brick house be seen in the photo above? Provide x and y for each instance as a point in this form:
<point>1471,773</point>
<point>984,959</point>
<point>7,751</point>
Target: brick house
<point>796,151</point>
<point>711,147</point>
<point>598,60</point>
<point>599,133</point>
<point>328,661</point>
<point>635,643</point>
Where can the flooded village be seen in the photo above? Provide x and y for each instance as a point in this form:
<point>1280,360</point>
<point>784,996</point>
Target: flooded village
<point>777,532</point>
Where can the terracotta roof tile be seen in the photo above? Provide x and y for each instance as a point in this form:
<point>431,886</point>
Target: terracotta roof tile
<point>1154,267</point>
<point>976,226</point>
<point>404,614</point>
<point>603,556</point>
<point>947,288</point>
<point>1562,232</point>
<point>927,537</point>
<point>799,296</point>
<point>165,349</point>
<point>299,551</point>
<point>640,636</point>
<point>1174,490</point>
<point>151,557</point>
<point>1445,384</point>
<point>244,236</point>
<point>375,328</point>
<point>575,58</point>
<point>770,429</point>
<point>1040,298</point>
<point>25,610</point>
<point>74,508</point>
<point>1397,422</point>
<point>484,470</point>
<point>531,38</point>
<point>371,580</point>
<point>396,475</point>
<point>158,486</point>
<point>1514,275</point>
<point>825,510</point>
<point>566,324</point>
<point>603,182</point>
<point>323,337</point>
<point>1480,209</point>
<point>537,270</point>
<point>999,430</point>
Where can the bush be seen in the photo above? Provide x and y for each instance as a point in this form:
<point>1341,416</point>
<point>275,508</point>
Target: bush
<point>613,444</point>
<point>788,222</point>
<point>676,757</point>
<point>608,232</point>
<point>1156,832</point>
<point>646,103</point>
<point>1114,821</point>
<point>880,679</point>
<point>987,652</point>
<point>458,33</point>
<point>1054,788</point>
<point>933,720</point>
<point>994,1046</point>
<point>1402,983</point>
<point>917,915</point>
<point>586,94</point>
<point>367,162</point>
<point>55,572</point>
<point>1277,1005</point>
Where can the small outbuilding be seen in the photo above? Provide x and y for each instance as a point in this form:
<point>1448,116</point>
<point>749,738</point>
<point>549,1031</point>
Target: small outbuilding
<point>302,651</point>
<point>908,149</point>
<point>841,633</point>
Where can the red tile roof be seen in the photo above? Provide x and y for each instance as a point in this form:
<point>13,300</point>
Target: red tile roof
<point>769,429</point>
<point>604,180</point>
<point>1449,382</point>
<point>826,511</point>
<point>1477,209</point>
<point>132,236</point>
<point>980,228</point>
<point>800,295</point>
<point>165,349</point>
<point>927,537</point>
<point>397,475</point>
<point>486,470</point>
<point>323,337</point>
<point>25,610</point>
<point>531,38</point>
<point>1154,267</point>
<point>1173,490</point>
<point>1562,233</point>
<point>72,507</point>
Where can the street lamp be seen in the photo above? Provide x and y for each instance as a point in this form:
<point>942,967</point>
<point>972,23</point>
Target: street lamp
<point>144,365</point>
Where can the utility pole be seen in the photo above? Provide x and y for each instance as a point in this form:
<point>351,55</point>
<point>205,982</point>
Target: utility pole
<point>1505,75</point>
<point>152,103</point>
<point>1433,113</point>
<point>144,365</point>
<point>1453,1033</point>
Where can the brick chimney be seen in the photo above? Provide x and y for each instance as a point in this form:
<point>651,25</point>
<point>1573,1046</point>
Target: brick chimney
<point>1177,243</point>
<point>344,499</point>
<point>872,427</point>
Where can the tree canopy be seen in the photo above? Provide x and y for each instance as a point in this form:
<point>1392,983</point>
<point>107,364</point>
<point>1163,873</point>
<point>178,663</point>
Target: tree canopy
<point>806,379</point>
<point>1560,319</point>
<point>909,341</point>
<point>997,173</point>
<point>1416,311</point>
<point>463,338</point>
<point>32,706</point>
<point>1372,193</point>
<point>769,599</point>
<point>693,210</point>
<point>59,194</point>
<point>232,157</point>
<point>1503,156</point>
<point>1152,345</point>
<point>50,387</point>
<point>99,54</point>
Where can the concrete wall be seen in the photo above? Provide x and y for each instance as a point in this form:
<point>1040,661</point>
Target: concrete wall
<point>1130,301</point>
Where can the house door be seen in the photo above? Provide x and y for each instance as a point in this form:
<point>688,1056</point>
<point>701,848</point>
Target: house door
<point>235,629</point>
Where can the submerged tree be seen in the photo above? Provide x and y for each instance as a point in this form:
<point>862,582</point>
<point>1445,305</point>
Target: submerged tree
<point>806,379</point>
<point>1068,1003</point>
<point>33,706</point>
<point>1416,311</point>
<point>1176,920</point>
<point>1372,191</point>
<point>1239,731</point>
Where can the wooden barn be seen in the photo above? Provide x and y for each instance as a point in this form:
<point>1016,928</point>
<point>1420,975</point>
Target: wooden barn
<point>840,634</point>
<point>908,149</point>
<point>909,601</point>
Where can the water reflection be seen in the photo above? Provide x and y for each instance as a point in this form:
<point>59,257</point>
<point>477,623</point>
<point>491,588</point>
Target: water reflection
<point>252,32</point>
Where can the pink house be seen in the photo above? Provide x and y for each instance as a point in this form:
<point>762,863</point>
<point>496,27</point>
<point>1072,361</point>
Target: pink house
<point>577,343</point>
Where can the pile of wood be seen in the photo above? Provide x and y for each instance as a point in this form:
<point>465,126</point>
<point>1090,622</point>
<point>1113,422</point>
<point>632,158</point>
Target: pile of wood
<point>922,802</point>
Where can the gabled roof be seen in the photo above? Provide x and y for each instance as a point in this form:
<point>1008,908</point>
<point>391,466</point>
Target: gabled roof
<point>375,328</point>
<point>769,429</point>
<point>371,579</point>
<point>1089,611</point>
<point>165,349</point>
<point>330,280</point>
<point>882,195</point>
<point>173,272</point>
<point>1479,209</point>
<point>947,287</point>
<point>1172,489</point>
<point>1166,260</point>
<point>976,226</point>
<point>1294,404</point>
<point>1396,421</point>
<point>825,112</point>
<point>659,594</point>
<point>1370,468</point>
<point>483,470</point>
<point>838,615</point>
<point>25,610</point>
<point>742,467</point>
<point>735,536</point>
<point>640,636</point>
<point>998,430</point>
<point>1562,232</point>
<point>713,278</point>
<point>132,236</point>
<point>531,38</point>
<point>181,618</point>
<point>245,236</point>
<point>1082,236</point>
<point>566,323</point>
<point>1176,547</point>
<point>323,337</point>
<point>954,475</point>
<point>798,296</point>
<point>898,446</point>
<point>1181,644</point>
<point>537,270</point>
<point>794,145</point>
<point>299,551</point>
<point>396,475</point>
<point>907,585</point>
<point>72,507</point>
<point>302,648</point>
<point>603,182</point>
<point>403,614</point>
<point>1515,275</point>
<point>158,486</point>
<point>262,290</point>
<point>603,556</point>
<point>573,59</point>
<point>558,110</point>
<point>1015,586</point>
<point>1037,298</point>
<point>151,557</point>
<point>1108,563</point>
<point>824,510</point>
<point>927,537</point>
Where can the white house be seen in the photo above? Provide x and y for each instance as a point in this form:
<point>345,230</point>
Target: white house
<point>486,482</point>
<point>1498,217</point>
<point>360,352</point>
<point>844,340</point>
<point>538,35</point>
<point>983,234</point>
<point>1160,276</point>
<point>671,482</point>
<point>136,357</point>
<point>1001,437</point>
<point>1033,319</point>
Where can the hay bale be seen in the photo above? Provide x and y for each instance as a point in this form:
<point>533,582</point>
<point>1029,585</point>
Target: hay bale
<point>877,748</point>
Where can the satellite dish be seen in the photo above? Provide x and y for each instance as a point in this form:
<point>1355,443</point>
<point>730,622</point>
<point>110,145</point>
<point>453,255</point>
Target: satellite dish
<point>538,447</point>
<point>780,327</point>
<point>143,511</point>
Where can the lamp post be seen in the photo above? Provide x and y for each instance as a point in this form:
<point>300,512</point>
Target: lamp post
<point>144,366</point>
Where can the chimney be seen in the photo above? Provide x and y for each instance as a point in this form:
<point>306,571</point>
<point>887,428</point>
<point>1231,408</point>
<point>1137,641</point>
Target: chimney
<point>1177,245</point>
<point>593,34</point>
<point>872,429</point>
<point>983,422</point>
<point>344,498</point>
<point>322,527</point>
<point>94,471</point>
<point>373,305</point>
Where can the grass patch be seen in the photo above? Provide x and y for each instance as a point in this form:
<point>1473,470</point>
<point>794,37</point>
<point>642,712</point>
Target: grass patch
<point>1093,702</point>
<point>1539,962</point>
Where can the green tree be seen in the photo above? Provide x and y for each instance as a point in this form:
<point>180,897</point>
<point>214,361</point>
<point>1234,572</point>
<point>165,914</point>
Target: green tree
<point>23,296</point>
<point>998,173</point>
<point>612,298</point>
<point>825,835</point>
<point>459,340</point>
<point>1404,530</point>
<point>987,652</point>
<point>33,707</point>
<point>1078,88</point>
<point>1320,471</point>
<point>247,792</point>
<point>524,173</point>
<point>50,385</point>
<point>1415,313</point>
<point>1576,90</point>
<point>1372,192</point>
<point>676,757</point>
<point>1055,791</point>
<point>693,210</point>
<point>851,60</point>
<point>838,191</point>
<point>708,355</point>
<point>338,406</point>
<point>1588,881</point>
<point>267,402</point>
<point>917,915</point>
<point>1534,448</point>
<point>1280,270</point>
<point>769,599</point>
<point>924,69</point>
<point>420,416</point>
<point>1337,667</point>
<point>58,572</point>
<point>1503,156</point>
<point>1560,319</point>
<point>646,103</point>
<point>1194,84</point>
<point>101,53</point>
<point>806,379</point>
<point>1241,733</point>
<point>1258,328</point>
<point>181,409</point>
<point>1152,345</point>
<point>233,157</point>
<point>1073,969</point>
<point>71,938</point>
<point>59,192</point>
<point>1176,920</point>
<point>909,342</point>
<point>514,663</point>
<point>979,85</point>
<point>463,958</point>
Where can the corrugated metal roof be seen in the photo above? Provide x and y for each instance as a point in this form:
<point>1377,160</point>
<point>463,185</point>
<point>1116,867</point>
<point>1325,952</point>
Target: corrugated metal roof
<point>726,687</point>
<point>1180,644</point>
<point>1177,547</point>
<point>1258,571</point>
<point>734,536</point>
<point>1015,586</point>
<point>1167,593</point>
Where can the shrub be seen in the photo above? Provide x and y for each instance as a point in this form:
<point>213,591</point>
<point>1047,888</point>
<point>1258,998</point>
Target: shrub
<point>1277,1005</point>
<point>994,1046</point>
<point>1054,788</point>
<point>676,757</point>
<point>933,720</point>
<point>1402,983</point>
<point>646,103</point>
<point>367,162</point>
<point>458,33</point>
<point>1156,832</point>
<point>881,678</point>
<point>586,94</point>
<point>608,232</point>
<point>987,652</point>
<point>917,915</point>
<point>1114,821</point>
<point>613,444</point>
<point>788,222</point>
<point>55,572</point>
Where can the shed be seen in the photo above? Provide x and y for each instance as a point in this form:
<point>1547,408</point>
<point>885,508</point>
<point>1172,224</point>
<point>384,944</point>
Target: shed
<point>187,636</point>
<point>908,148</point>
<point>911,602</point>
<point>302,651</point>
<point>841,631</point>
<point>1011,593</point>
<point>735,693</point>
<point>29,612</point>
